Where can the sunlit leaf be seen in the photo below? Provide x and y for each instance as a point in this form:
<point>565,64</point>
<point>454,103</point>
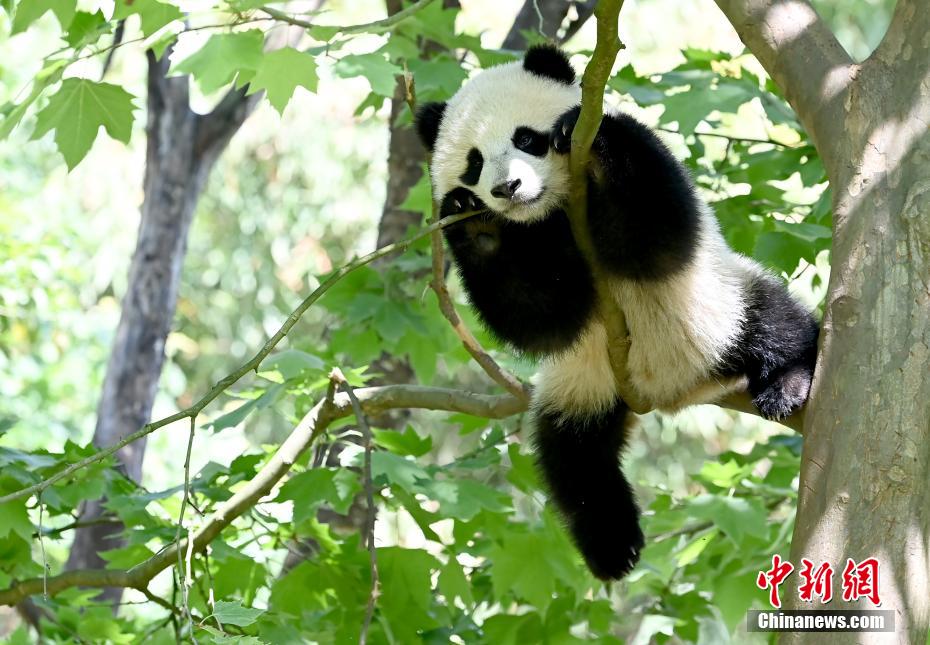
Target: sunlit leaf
<point>78,110</point>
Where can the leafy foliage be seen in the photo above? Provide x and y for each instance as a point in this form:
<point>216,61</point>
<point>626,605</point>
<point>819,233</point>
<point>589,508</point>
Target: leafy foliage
<point>468,546</point>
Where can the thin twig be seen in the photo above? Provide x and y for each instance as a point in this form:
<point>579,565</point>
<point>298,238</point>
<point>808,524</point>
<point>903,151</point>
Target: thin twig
<point>42,548</point>
<point>184,575</point>
<point>371,512</point>
<point>376,27</point>
<point>252,364</point>
<point>719,135</point>
<point>438,284</point>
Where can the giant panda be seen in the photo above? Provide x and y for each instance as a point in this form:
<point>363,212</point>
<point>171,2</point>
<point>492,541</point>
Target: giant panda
<point>703,320</point>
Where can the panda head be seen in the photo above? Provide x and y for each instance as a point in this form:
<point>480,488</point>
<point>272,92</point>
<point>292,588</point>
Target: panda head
<point>493,136</point>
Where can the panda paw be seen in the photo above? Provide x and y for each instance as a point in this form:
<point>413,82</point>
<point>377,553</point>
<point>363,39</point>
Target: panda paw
<point>611,547</point>
<point>561,136</point>
<point>460,200</point>
<point>784,394</point>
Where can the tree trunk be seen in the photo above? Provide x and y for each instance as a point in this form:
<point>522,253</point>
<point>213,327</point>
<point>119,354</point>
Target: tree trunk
<point>865,475</point>
<point>181,148</point>
<point>865,471</point>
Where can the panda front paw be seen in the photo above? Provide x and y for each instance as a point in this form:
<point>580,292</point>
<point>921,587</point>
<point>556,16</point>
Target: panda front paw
<point>561,136</point>
<point>460,200</point>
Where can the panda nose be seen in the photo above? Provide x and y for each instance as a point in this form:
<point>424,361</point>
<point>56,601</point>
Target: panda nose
<point>506,190</point>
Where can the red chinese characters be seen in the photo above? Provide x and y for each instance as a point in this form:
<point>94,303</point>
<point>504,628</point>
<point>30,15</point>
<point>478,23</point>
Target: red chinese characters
<point>817,582</point>
<point>773,578</point>
<point>861,581</point>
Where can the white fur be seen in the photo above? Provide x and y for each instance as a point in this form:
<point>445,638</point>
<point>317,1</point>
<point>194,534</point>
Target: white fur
<point>482,116</point>
<point>679,328</point>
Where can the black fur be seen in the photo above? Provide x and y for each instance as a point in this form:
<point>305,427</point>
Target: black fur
<point>427,121</point>
<point>579,457</point>
<point>776,349</point>
<point>530,141</point>
<point>473,170</point>
<point>642,210</point>
<point>532,288</point>
<point>528,282</point>
<point>549,61</point>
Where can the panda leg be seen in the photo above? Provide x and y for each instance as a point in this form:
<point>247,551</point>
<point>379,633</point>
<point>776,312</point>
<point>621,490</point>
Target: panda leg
<point>579,456</point>
<point>581,428</point>
<point>777,349</point>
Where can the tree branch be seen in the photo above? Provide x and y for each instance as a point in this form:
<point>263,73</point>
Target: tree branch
<point>908,29</point>
<point>376,27</point>
<point>592,110</point>
<point>232,378</point>
<point>438,284</point>
<point>372,400</point>
<point>803,57</point>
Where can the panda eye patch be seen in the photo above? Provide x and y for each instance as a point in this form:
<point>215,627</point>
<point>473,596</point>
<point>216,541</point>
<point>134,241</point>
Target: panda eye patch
<point>473,169</point>
<point>530,141</point>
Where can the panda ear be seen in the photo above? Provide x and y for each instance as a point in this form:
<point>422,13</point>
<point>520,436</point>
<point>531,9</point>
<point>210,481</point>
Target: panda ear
<point>427,122</point>
<point>550,62</point>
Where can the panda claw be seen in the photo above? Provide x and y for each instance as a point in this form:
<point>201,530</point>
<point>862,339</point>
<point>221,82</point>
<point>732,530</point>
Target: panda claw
<point>458,205</point>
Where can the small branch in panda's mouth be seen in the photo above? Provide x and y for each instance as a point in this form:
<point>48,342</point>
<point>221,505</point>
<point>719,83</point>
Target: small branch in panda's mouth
<point>438,284</point>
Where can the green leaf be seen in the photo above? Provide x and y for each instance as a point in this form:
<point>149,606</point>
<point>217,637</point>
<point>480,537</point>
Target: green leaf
<point>407,442</point>
<point>406,590</point>
<point>465,498</point>
<point>78,110</point>
<point>505,629</point>
<point>420,197</point>
<point>311,488</point>
<point>13,114</point>
<point>126,557</point>
<point>436,78</point>
<point>289,364</point>
<point>522,473</point>
<point>511,573</point>
<point>397,470</point>
<point>85,28</point>
<point>453,583</point>
<point>153,14</point>
<point>222,58</point>
<point>28,11</point>
<point>690,552</point>
<point>233,613</point>
<point>13,517</point>
<point>237,416</point>
<point>280,73</point>
<point>375,67</point>
<point>736,516</point>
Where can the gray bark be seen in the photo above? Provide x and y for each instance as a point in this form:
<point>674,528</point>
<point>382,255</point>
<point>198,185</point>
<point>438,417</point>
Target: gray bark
<point>865,472</point>
<point>181,148</point>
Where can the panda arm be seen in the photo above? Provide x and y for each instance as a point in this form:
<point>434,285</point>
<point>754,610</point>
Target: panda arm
<point>643,213</point>
<point>530,288</point>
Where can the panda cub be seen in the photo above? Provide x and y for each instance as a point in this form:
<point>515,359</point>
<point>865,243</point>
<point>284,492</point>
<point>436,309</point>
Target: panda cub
<point>703,320</point>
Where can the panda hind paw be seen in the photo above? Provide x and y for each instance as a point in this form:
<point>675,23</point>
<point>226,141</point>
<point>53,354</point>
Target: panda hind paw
<point>611,552</point>
<point>785,394</point>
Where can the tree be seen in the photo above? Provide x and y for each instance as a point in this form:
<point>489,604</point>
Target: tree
<point>864,473</point>
<point>697,572</point>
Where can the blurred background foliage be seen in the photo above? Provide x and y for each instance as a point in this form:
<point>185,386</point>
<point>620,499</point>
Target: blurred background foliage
<point>468,549</point>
